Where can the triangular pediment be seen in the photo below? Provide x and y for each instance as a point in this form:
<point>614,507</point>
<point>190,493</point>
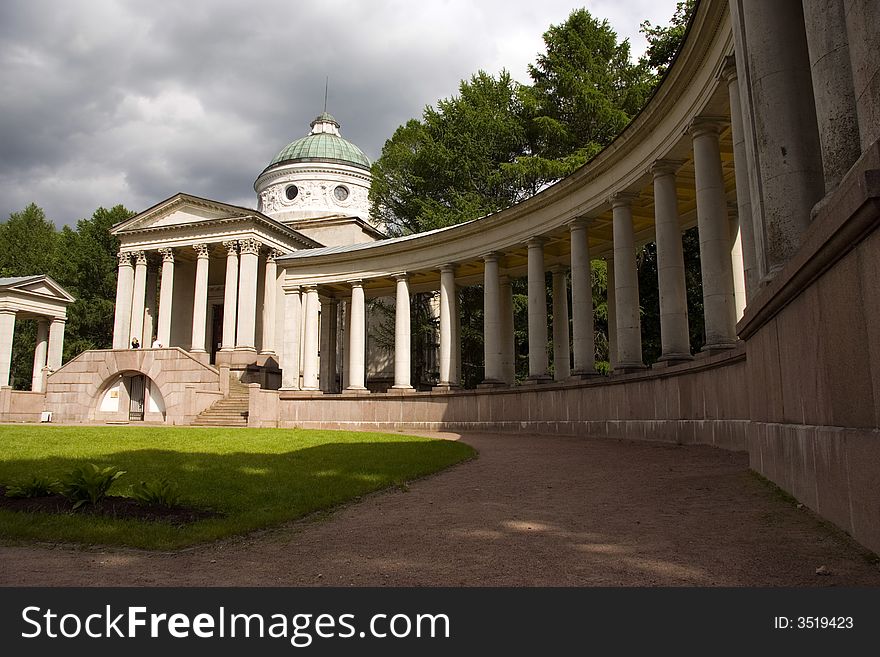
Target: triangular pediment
<point>179,210</point>
<point>42,285</point>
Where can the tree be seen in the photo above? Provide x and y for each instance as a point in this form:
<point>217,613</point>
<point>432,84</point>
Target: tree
<point>27,243</point>
<point>664,41</point>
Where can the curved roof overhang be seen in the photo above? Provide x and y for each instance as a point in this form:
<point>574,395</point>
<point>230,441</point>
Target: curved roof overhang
<point>692,87</point>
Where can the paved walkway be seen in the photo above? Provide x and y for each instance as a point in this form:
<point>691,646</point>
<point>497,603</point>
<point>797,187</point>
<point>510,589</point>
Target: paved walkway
<point>536,511</point>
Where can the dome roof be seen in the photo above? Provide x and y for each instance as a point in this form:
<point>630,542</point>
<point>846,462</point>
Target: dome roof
<point>324,144</point>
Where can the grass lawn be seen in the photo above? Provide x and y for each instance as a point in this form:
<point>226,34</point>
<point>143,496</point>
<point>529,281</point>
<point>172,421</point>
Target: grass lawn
<point>255,477</point>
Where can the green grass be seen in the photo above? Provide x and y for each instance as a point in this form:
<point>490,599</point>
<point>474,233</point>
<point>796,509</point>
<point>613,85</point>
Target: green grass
<point>255,477</point>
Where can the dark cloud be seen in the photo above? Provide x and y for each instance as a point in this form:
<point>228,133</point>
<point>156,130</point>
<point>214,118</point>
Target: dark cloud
<point>105,102</point>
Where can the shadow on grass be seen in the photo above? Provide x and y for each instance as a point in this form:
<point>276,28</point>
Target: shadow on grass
<point>251,489</point>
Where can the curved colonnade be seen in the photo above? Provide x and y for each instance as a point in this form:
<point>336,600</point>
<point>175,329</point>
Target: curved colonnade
<point>763,135</point>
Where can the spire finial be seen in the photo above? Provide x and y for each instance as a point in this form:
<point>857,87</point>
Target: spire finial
<point>326,86</point>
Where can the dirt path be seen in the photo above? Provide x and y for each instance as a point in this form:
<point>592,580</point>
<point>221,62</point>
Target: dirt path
<point>535,511</point>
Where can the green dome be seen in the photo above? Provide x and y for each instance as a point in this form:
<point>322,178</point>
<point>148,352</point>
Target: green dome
<point>324,144</point>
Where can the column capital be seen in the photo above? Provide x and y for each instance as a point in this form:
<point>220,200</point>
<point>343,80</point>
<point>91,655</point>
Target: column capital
<point>55,320</point>
<point>273,253</point>
<point>355,282</point>
<point>290,288</point>
<point>580,222</point>
<point>619,199</point>
<point>201,250</point>
<point>665,167</point>
<point>728,69</point>
<point>167,254</point>
<point>536,242</point>
<point>447,268</point>
<point>309,288</point>
<point>557,269</point>
<point>140,257</point>
<point>124,258</point>
<point>249,246</point>
<point>231,247</point>
<point>492,256</point>
<point>707,125</point>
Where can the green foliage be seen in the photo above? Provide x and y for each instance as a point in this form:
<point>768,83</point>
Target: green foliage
<point>88,484</point>
<point>161,493</point>
<point>664,41</point>
<point>35,486</point>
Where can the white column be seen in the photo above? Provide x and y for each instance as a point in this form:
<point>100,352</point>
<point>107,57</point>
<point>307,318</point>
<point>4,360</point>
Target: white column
<point>712,221</point>
<point>508,346</point>
<point>249,261</point>
<point>455,368</point>
<point>628,322</point>
<point>269,291</point>
<point>56,343</point>
<point>491,321</point>
<point>329,319</point>
<point>402,334</point>
<point>40,353</point>
<point>124,286</point>
<point>583,339</point>
<point>741,174</point>
<point>200,298</point>
<point>230,295</point>
<point>611,313</point>
<point>561,349</point>
<point>149,329</point>
<point>166,296</point>
<point>736,263</point>
<point>674,332</point>
<point>357,338</point>
<point>138,296</point>
<point>7,331</point>
<point>538,363</point>
<point>310,338</point>
<point>447,323</point>
<point>291,335</point>
<point>862,18</point>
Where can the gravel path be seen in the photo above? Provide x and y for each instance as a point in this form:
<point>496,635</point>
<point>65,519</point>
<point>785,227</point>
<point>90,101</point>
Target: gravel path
<point>530,511</point>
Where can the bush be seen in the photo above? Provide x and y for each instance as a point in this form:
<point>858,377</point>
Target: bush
<point>162,493</point>
<point>34,487</point>
<point>88,484</point>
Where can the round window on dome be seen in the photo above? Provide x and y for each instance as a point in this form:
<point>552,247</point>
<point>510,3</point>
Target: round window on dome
<point>341,193</point>
<point>291,192</point>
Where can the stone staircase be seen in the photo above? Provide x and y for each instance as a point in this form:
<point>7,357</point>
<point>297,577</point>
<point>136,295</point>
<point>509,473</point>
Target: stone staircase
<point>231,411</point>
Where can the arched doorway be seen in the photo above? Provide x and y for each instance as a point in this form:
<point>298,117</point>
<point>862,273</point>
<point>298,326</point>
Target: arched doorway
<point>130,397</point>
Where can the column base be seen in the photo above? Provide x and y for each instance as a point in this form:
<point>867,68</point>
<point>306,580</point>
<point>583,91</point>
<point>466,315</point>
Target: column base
<point>445,387</point>
<point>491,383</point>
<point>629,368</point>
<point>356,391</point>
<point>538,379</point>
<point>717,347</point>
<point>583,374</point>
<point>675,358</point>
<point>399,390</point>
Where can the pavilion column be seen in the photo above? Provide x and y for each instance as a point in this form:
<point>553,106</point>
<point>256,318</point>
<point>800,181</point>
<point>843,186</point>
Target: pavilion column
<point>455,367</point>
<point>357,338</point>
<point>508,347</point>
<point>493,374</point>
<point>825,23</point>
<point>137,298</point>
<point>674,332</point>
<point>583,339</point>
<point>40,353</point>
<point>329,320</point>
<point>269,291</point>
<point>291,335</point>
<point>786,136</point>
<point>611,313</point>
<point>447,325</point>
<point>200,298</point>
<point>862,18</point>
<point>166,296</point>
<point>7,331</point>
<point>230,295</point>
<point>741,173</point>
<point>149,329</point>
<point>56,343</point>
<point>628,323</point>
<point>561,350</point>
<point>538,363</point>
<point>124,285</point>
<point>249,262</point>
<point>712,222</point>
<point>310,338</point>
<point>736,263</point>
<point>402,335</point>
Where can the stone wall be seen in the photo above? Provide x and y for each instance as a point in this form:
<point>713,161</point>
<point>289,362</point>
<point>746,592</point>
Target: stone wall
<point>73,391</point>
<point>21,406</point>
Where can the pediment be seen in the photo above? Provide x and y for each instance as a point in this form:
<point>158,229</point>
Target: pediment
<point>179,210</point>
<point>41,285</point>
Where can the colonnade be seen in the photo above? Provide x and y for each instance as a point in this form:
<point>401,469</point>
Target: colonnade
<point>47,352</point>
<point>136,294</point>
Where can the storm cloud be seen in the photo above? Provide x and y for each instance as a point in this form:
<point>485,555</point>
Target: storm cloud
<point>106,102</point>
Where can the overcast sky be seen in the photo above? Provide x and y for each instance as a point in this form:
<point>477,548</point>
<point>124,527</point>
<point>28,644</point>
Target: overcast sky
<point>105,102</point>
